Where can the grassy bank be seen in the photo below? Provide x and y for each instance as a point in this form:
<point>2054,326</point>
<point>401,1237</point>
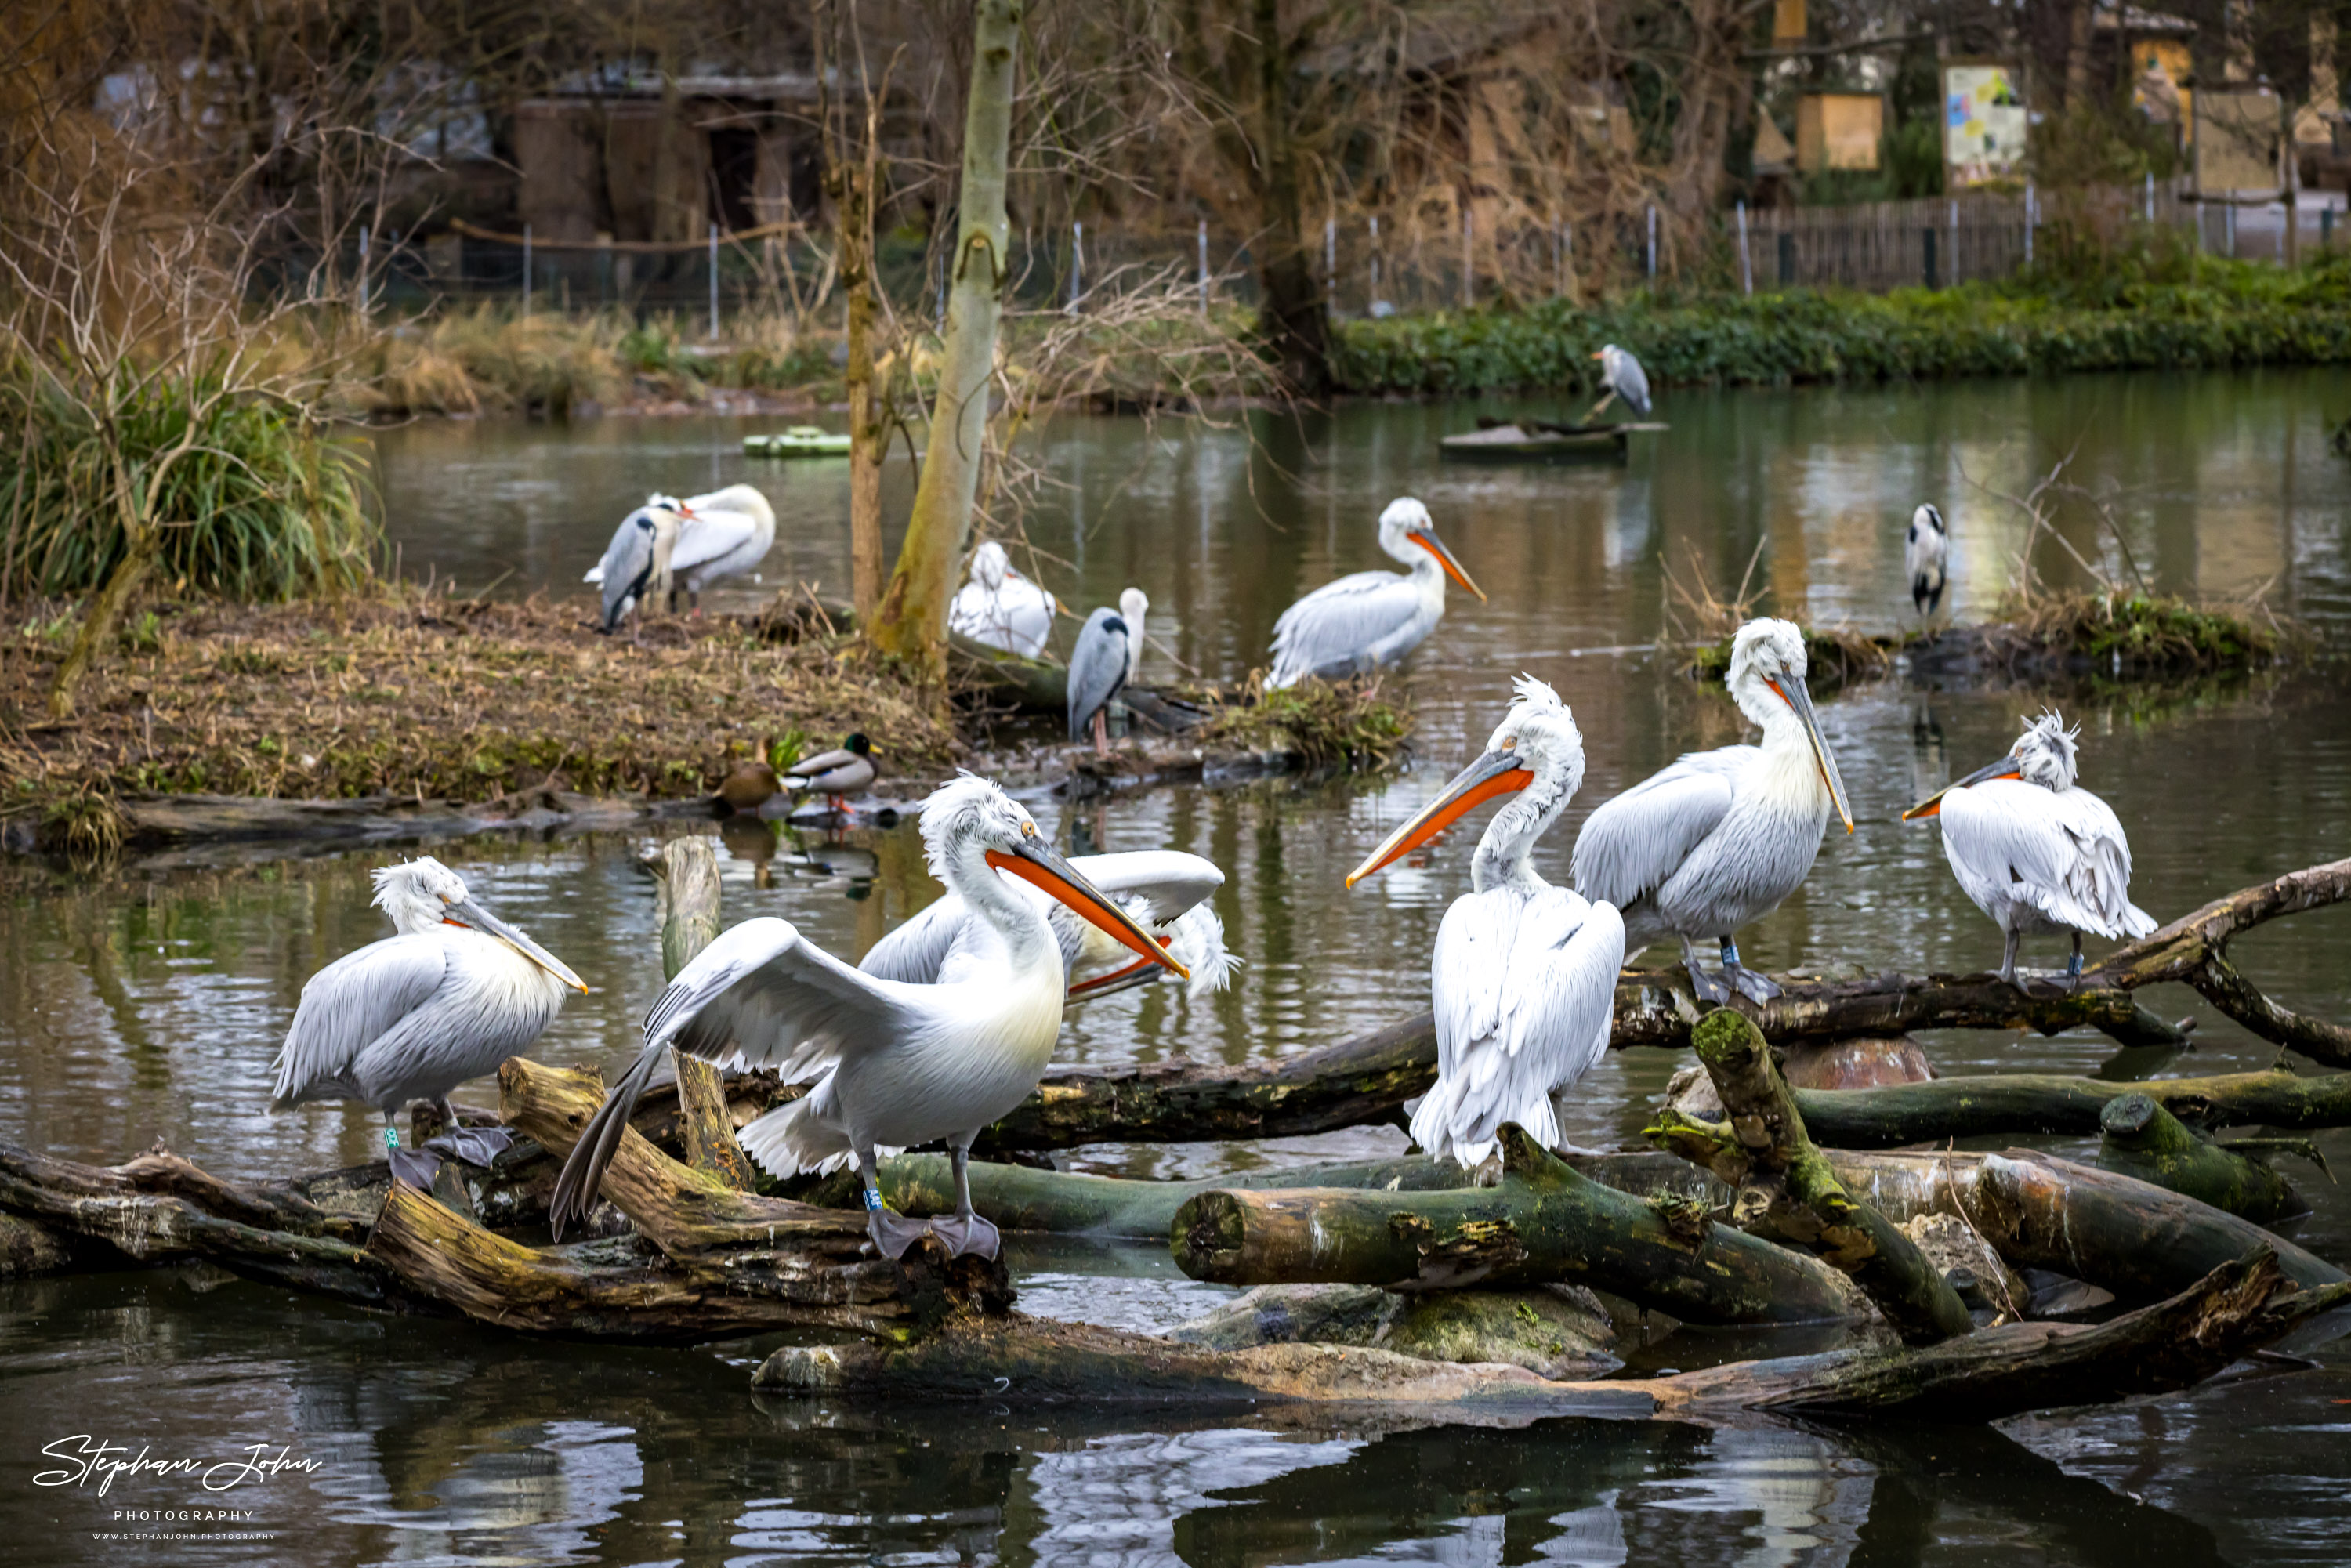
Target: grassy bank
<point>402,692</point>
<point>2152,313</point>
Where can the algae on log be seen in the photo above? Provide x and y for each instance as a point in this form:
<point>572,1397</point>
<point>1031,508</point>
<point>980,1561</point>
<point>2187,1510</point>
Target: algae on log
<point>2146,1141</point>
<point>1544,1224</point>
<point>2014,1103</point>
<point>1911,1292</point>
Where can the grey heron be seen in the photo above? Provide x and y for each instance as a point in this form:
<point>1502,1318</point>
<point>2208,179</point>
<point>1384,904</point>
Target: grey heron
<point>1622,374</point>
<point>454,994</point>
<point>2035,851</point>
<point>1926,559</point>
<point>1373,619</point>
<point>727,533</point>
<point>1001,608</point>
<point>1721,838</point>
<point>1523,978</point>
<point>1108,649</point>
<point>637,567</point>
<point>836,774</point>
<point>895,1064</point>
<point>1167,892</point>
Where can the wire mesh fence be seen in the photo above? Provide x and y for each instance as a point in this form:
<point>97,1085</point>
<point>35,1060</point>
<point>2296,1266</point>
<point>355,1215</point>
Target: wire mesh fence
<point>1369,267</point>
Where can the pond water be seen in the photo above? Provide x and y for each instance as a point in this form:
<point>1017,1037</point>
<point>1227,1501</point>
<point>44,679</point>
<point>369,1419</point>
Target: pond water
<point>146,1000</point>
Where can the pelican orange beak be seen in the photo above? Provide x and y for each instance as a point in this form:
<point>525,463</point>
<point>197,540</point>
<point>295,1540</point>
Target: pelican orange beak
<point>1034,860</point>
<point>467,912</point>
<point>1496,773</point>
<point>1799,699</point>
<point>1436,547</point>
<point>1932,805</point>
<point>1124,977</point>
<point>1596,355</point>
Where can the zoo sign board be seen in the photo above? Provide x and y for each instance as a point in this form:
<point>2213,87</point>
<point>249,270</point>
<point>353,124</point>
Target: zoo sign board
<point>1984,124</point>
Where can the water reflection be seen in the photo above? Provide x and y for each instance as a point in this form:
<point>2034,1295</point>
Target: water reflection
<point>148,1000</point>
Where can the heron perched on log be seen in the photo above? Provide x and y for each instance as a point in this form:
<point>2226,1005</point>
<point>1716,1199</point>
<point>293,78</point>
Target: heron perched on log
<point>1373,619</point>
<point>1108,649</point>
<point>1622,377</point>
<point>455,993</point>
<point>2035,851</point>
<point>836,774</point>
<point>727,533</point>
<point>1523,978</point>
<point>1167,892</point>
<point>894,1064</point>
<point>1926,558</point>
<point>1001,608</point>
<point>1721,838</point>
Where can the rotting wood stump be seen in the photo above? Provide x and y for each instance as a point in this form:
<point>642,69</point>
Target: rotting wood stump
<point>1544,1224</point>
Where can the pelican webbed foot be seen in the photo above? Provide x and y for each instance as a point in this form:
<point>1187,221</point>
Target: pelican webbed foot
<point>417,1167</point>
<point>967,1233</point>
<point>475,1145</point>
<point>1756,988</point>
<point>1707,988</point>
<point>893,1232</point>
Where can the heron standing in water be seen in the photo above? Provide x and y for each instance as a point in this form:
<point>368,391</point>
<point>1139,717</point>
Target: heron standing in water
<point>1622,377</point>
<point>1722,838</point>
<point>1373,619</point>
<point>1926,559</point>
<point>1523,979</point>
<point>455,993</point>
<point>2035,851</point>
<point>894,1064</point>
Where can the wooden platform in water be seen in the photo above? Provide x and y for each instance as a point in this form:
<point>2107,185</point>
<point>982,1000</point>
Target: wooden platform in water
<point>1540,441</point>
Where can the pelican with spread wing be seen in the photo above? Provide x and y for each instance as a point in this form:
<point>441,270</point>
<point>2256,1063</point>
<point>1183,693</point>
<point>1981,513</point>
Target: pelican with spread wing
<point>894,1064</point>
<point>454,994</point>
<point>1167,892</point>
<point>2035,851</point>
<point>1373,619</point>
<point>1523,979</point>
<point>1722,838</point>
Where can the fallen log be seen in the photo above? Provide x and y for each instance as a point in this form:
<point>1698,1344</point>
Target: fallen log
<point>1994,1373</point>
<point>1800,1199</point>
<point>2193,951</point>
<point>2143,1140</point>
<point>2240,1306</point>
<point>1544,1224</point>
<point>2015,1103</point>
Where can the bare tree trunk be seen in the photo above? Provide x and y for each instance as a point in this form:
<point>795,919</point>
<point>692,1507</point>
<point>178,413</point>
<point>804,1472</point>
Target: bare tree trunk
<point>912,620</point>
<point>141,543</point>
<point>1293,316</point>
<point>2077,54</point>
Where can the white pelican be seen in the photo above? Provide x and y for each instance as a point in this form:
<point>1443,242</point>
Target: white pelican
<point>1524,975</point>
<point>410,1017</point>
<point>1104,661</point>
<point>2035,852</point>
<point>1926,555</point>
<point>894,1064</point>
<point>1362,622</point>
<point>1001,608</point>
<point>1167,892</point>
<point>1622,374</point>
<point>727,533</point>
<point>1723,837</point>
<point>836,774</point>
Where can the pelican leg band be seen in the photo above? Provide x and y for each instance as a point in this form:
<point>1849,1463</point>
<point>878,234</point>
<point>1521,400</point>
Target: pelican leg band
<point>1730,954</point>
<point>390,1136</point>
<point>872,1200</point>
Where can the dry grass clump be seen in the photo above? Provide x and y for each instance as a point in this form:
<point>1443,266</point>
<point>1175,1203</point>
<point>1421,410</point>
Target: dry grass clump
<point>1697,615</point>
<point>418,694</point>
<point>491,359</point>
<point>1323,724</point>
<point>2119,632</point>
